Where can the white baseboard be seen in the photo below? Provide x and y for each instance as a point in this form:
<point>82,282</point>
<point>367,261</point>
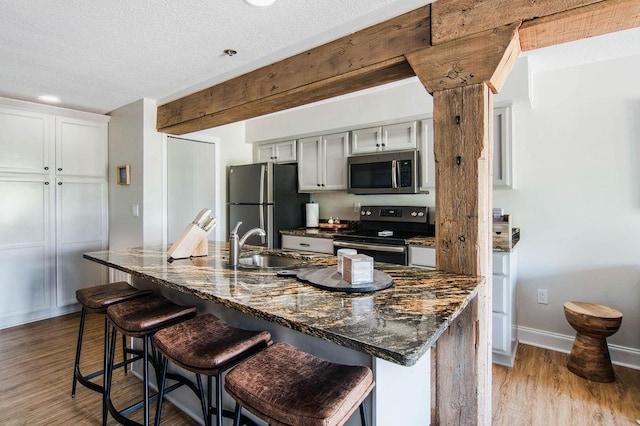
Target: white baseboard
<point>33,316</point>
<point>620,355</point>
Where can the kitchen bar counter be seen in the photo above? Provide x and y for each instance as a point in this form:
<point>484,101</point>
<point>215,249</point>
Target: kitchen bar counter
<point>398,324</point>
<point>391,331</point>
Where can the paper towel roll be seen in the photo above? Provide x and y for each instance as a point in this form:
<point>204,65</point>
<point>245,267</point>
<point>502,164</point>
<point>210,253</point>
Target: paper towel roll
<point>312,215</point>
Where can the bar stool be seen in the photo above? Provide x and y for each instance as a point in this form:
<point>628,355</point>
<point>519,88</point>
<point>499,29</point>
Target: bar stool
<point>140,318</point>
<point>593,323</point>
<point>206,345</point>
<point>283,385</point>
<point>97,299</point>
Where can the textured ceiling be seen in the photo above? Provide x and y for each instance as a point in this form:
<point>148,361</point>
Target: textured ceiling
<point>99,55</point>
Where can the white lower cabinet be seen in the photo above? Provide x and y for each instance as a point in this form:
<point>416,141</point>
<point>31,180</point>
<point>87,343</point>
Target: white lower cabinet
<point>318,245</point>
<point>503,296</point>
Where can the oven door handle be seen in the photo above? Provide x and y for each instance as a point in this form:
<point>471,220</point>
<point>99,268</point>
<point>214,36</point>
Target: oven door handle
<point>376,247</point>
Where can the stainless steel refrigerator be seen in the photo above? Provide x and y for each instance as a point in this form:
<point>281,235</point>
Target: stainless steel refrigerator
<point>264,195</point>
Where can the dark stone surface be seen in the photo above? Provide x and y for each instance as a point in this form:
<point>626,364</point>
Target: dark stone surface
<point>398,324</point>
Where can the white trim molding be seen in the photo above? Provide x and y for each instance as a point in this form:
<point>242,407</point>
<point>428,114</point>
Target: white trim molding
<point>620,355</point>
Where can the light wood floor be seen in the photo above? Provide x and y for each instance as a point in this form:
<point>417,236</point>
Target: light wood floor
<point>36,364</point>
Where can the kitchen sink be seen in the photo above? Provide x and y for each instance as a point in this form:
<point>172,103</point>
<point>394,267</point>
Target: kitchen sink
<point>268,261</point>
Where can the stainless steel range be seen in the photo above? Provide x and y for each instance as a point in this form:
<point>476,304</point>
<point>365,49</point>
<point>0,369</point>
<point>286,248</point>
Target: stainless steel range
<point>385,232</point>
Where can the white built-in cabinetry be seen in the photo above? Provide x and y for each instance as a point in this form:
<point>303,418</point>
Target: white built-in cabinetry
<point>276,152</point>
<point>392,137</point>
<point>502,151</point>
<point>504,330</point>
<point>317,245</point>
<point>53,193</point>
<point>322,162</point>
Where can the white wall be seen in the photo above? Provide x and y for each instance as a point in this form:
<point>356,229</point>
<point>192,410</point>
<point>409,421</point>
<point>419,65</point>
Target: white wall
<point>577,171</point>
<point>578,195</point>
<point>134,141</point>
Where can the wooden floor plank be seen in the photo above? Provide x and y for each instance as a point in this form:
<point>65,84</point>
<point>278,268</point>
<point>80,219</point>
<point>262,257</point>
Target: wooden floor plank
<point>36,363</point>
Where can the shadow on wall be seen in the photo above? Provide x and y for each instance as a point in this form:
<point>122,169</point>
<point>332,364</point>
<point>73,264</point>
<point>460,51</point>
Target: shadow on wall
<point>617,287</point>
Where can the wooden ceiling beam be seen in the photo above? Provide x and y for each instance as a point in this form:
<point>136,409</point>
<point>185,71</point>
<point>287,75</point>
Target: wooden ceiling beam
<point>366,58</point>
<point>485,57</point>
<point>595,19</point>
<point>454,19</point>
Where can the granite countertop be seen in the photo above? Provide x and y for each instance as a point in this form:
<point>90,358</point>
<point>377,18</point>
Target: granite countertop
<point>415,241</point>
<point>314,232</point>
<point>398,324</point>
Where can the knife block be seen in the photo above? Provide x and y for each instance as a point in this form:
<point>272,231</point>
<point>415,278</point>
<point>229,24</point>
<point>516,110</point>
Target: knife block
<point>191,242</point>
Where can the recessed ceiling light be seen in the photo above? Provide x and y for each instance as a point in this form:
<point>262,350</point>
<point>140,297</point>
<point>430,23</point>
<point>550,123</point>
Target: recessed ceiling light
<point>50,99</point>
<point>260,3</point>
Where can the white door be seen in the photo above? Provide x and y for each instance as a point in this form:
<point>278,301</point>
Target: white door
<point>81,147</point>
<point>399,136</point>
<point>309,172</point>
<point>191,183</point>
<point>26,242</point>
<point>265,153</point>
<point>81,226</point>
<point>366,140</point>
<point>25,138</point>
<point>335,161</point>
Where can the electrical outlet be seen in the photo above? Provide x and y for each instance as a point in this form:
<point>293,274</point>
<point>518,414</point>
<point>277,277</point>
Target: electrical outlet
<point>543,297</point>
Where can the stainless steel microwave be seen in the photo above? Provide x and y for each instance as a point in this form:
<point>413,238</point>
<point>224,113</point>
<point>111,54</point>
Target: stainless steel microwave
<point>384,173</point>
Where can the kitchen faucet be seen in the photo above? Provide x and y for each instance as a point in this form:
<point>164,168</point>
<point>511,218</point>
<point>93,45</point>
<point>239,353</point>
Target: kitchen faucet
<point>236,244</point>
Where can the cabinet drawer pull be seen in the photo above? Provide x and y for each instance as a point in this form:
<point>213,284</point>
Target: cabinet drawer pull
<point>59,183</point>
<point>305,244</point>
<point>59,169</point>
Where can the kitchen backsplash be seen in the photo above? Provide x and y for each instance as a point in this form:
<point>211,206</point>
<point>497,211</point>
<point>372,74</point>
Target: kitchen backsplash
<point>343,204</point>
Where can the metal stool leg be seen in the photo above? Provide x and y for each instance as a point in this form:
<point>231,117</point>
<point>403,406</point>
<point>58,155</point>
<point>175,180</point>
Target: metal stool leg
<point>161,385</point>
<point>76,366</point>
<point>363,414</point>
<point>236,415</point>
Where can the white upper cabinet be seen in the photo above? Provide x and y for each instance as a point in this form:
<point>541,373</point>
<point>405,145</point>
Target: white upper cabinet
<point>427,161</point>
<point>393,137</point>
<point>502,148</point>
<point>502,151</point>
<point>322,162</point>
<point>25,138</point>
<point>279,152</point>
<point>81,147</point>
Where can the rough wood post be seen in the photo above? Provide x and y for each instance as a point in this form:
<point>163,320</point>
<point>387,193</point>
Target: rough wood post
<point>463,121</point>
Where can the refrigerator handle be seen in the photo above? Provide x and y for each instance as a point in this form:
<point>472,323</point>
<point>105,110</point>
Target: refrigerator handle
<point>262,207</point>
<point>263,172</point>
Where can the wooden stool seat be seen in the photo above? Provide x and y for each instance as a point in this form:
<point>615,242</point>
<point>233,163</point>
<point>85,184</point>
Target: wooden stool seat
<point>286,386</point>
<point>593,323</point>
<point>206,345</point>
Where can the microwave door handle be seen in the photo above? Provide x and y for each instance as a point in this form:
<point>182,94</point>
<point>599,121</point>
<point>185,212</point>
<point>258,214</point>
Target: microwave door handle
<point>394,174</point>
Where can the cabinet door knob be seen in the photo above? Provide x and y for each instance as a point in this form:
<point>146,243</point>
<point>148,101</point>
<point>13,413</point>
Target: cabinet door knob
<point>318,184</point>
<point>46,168</point>
<point>377,144</point>
<point>59,169</point>
<point>59,183</point>
<point>46,183</point>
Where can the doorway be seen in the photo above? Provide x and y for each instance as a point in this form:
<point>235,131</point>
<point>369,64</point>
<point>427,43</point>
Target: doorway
<point>191,182</point>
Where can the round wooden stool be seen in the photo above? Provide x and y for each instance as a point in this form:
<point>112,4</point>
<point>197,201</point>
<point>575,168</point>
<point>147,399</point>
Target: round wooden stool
<point>283,385</point>
<point>590,357</point>
<point>97,299</point>
<point>206,345</point>
<point>140,318</point>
